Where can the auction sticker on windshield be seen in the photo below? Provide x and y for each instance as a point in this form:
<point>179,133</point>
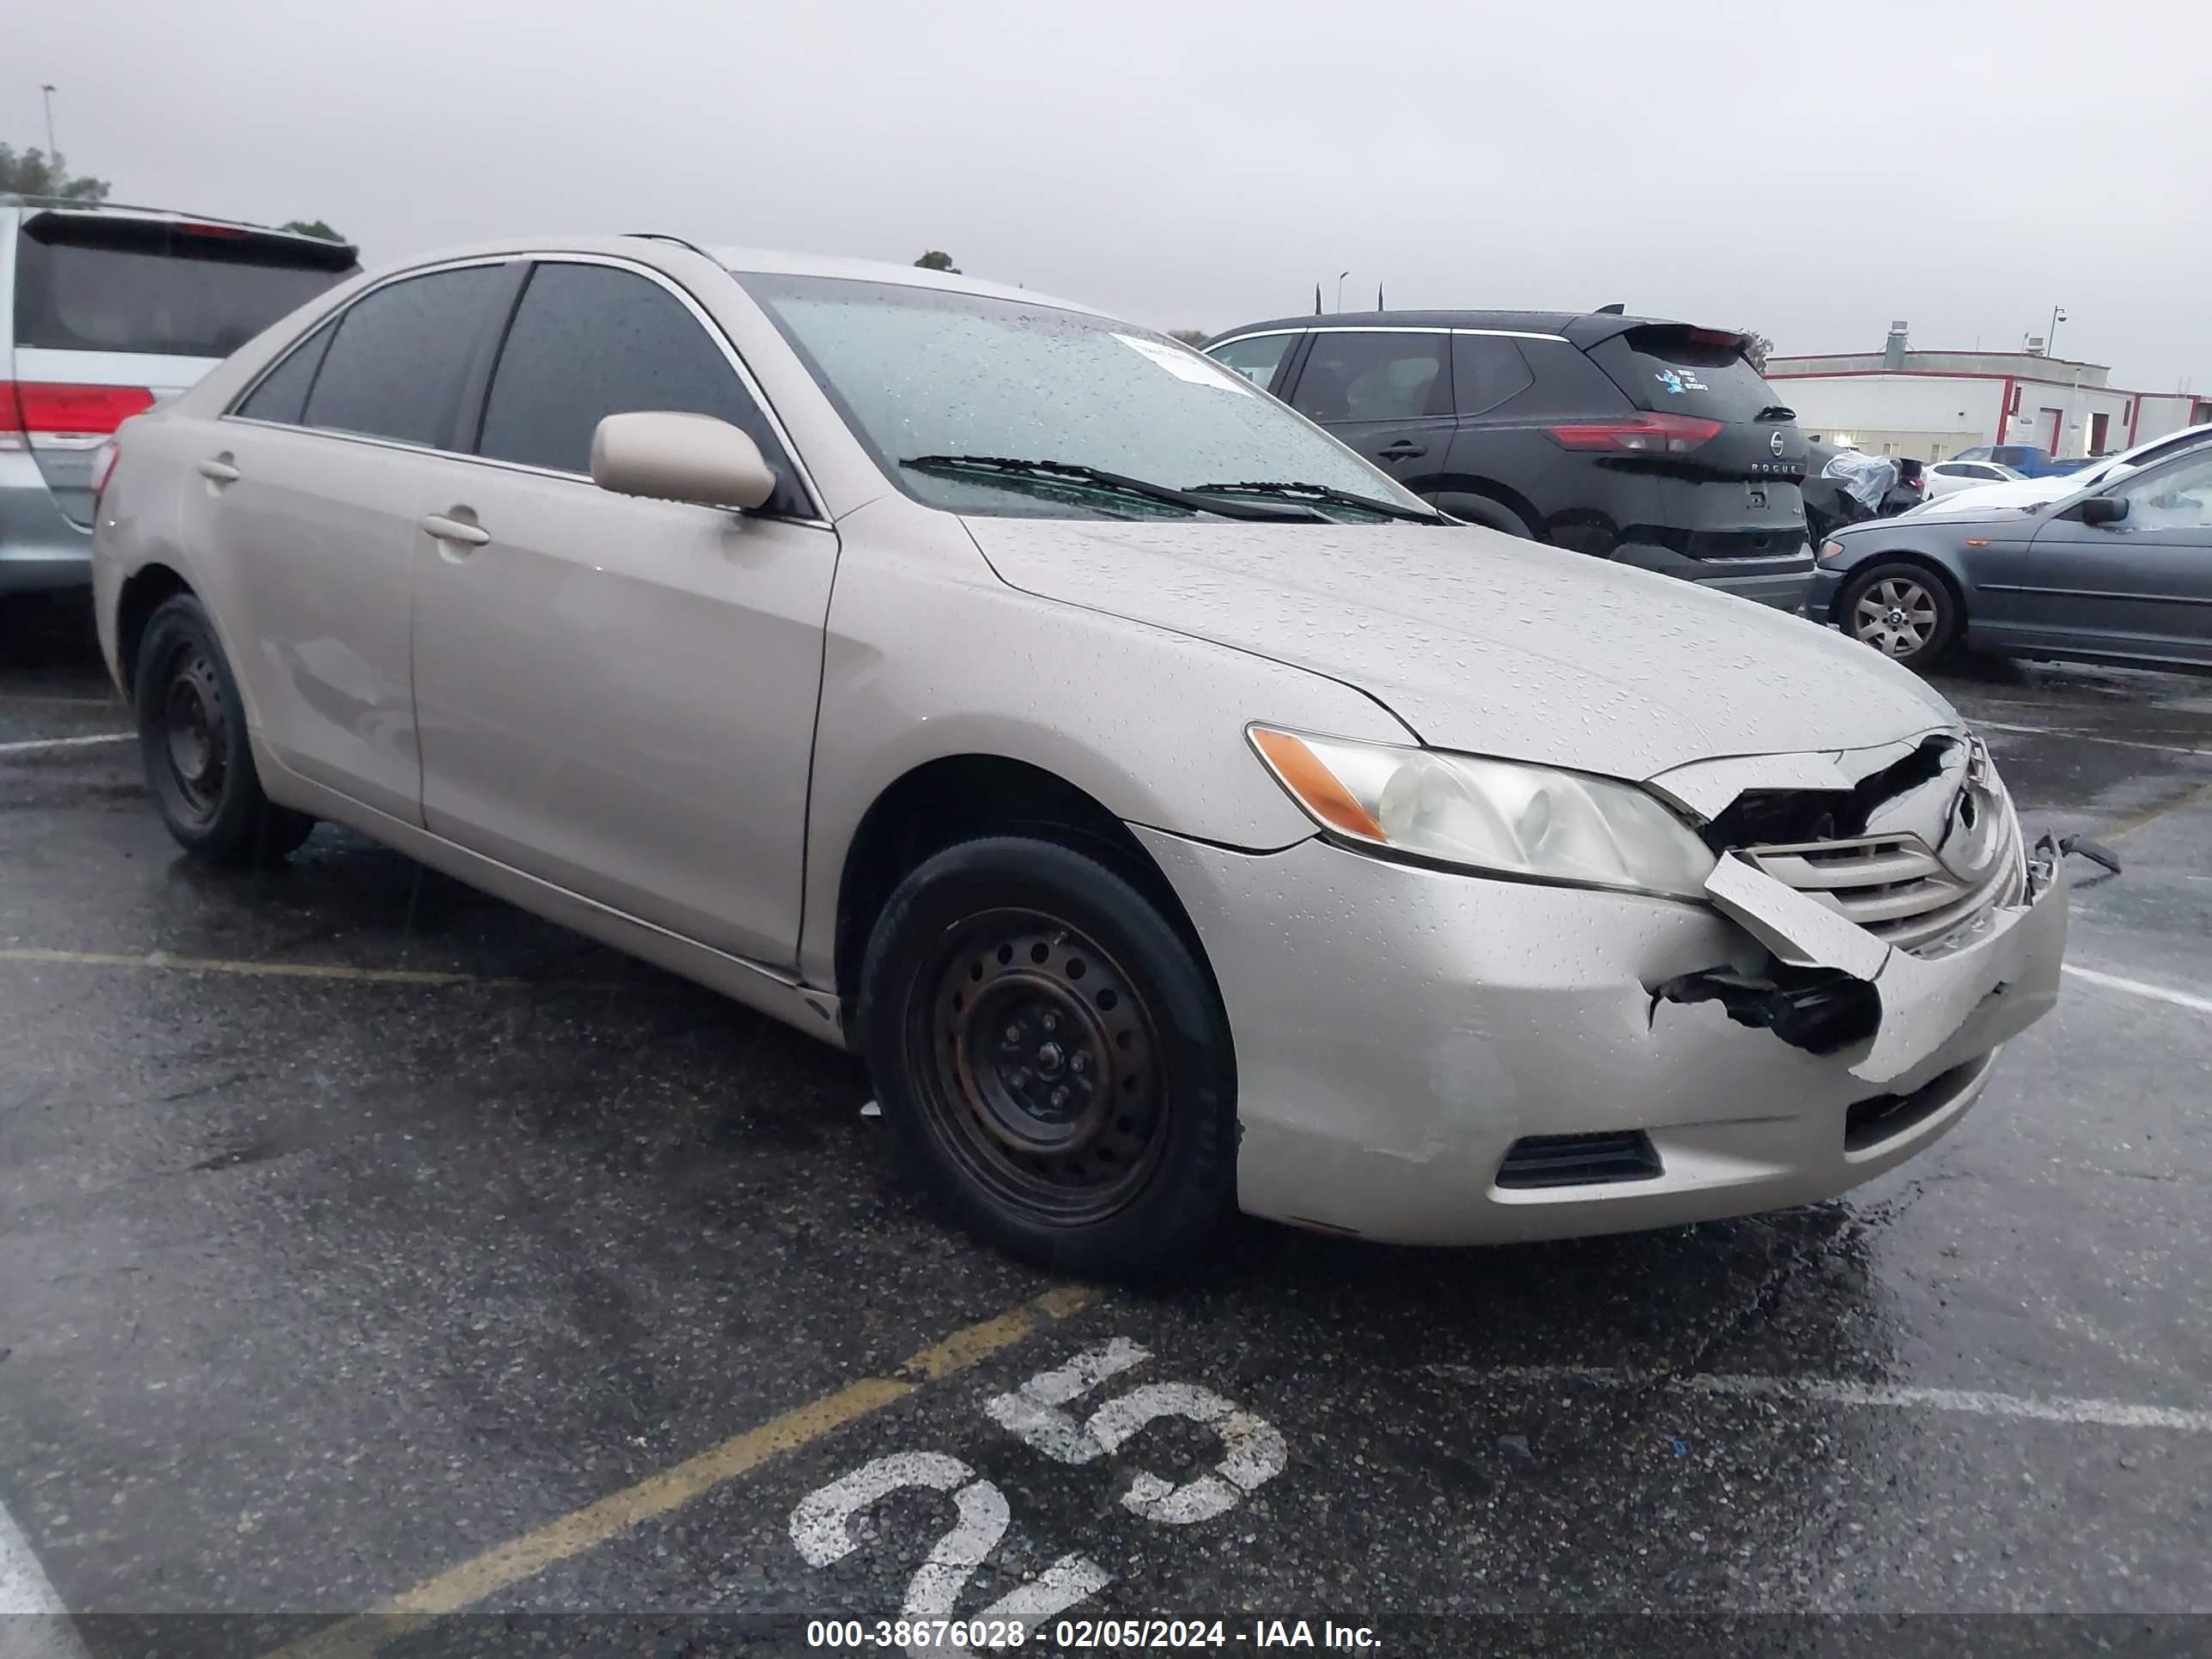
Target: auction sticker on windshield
<point>1185,366</point>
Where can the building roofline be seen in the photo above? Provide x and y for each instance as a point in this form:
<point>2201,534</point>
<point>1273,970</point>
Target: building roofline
<point>1968,374</point>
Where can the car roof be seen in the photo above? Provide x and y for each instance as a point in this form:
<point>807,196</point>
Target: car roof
<point>778,263</point>
<point>1583,328</point>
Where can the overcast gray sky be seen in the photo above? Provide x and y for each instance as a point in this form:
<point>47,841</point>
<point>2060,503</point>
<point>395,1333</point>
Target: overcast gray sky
<point>1808,170</point>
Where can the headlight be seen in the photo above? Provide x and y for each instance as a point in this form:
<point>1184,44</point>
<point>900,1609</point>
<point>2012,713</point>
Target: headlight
<point>1832,550</point>
<point>1501,816</point>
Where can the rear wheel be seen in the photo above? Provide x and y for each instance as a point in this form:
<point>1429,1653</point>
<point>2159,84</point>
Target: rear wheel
<point>1056,1061</point>
<point>1903,610</point>
<point>191,733</point>
<point>1480,509</point>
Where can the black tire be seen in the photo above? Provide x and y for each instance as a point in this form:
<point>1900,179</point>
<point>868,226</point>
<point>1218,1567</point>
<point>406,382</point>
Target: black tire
<point>191,735</point>
<point>1904,610</point>
<point>1480,509</point>
<point>1053,1058</point>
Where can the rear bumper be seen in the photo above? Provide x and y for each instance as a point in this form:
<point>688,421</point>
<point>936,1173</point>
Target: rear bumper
<point>1780,583</point>
<point>40,551</point>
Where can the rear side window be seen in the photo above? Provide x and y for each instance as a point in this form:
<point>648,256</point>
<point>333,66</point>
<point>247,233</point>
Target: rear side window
<point>101,282</point>
<point>396,365</point>
<point>591,340</point>
<point>1258,359</point>
<point>1567,384</point>
<point>1685,371</point>
<point>1363,376</point>
<point>1487,369</point>
<point>282,396</point>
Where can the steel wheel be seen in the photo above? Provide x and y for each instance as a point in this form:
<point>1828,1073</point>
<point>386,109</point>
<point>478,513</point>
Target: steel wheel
<point>195,735</point>
<point>1896,615</point>
<point>1037,1065</point>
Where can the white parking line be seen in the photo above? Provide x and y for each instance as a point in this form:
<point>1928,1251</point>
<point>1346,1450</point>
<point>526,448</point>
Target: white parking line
<point>2093,736</point>
<point>2138,988</point>
<point>37,744</point>
<point>34,1622</point>
<point>2103,1413</point>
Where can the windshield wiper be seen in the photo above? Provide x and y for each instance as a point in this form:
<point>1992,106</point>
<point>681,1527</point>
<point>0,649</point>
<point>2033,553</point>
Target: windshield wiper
<point>1119,483</point>
<point>1326,493</point>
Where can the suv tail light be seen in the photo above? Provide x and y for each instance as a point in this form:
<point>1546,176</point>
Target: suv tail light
<point>50,416</point>
<point>1649,435</point>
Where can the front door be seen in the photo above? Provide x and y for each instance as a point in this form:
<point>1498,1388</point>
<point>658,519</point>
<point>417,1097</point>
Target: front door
<point>617,696</point>
<point>2140,585</point>
<point>1387,392</point>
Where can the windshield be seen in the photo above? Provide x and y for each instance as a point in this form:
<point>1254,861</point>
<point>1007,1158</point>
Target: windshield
<point>93,283</point>
<point>920,373</point>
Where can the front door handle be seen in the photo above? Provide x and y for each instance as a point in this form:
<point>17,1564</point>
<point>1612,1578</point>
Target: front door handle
<point>1404,450</point>
<point>218,469</point>
<point>458,531</point>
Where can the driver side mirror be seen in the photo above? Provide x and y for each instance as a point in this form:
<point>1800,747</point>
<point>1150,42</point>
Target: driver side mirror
<point>2104,509</point>
<point>670,457</point>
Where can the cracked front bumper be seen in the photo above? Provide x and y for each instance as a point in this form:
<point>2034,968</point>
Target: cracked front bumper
<point>1398,1030</point>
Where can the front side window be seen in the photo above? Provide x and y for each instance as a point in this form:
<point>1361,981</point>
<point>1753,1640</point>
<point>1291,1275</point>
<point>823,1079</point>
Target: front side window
<point>2175,497</point>
<point>591,340</point>
<point>1256,359</point>
<point>919,372</point>
<point>396,365</point>
<point>1376,376</point>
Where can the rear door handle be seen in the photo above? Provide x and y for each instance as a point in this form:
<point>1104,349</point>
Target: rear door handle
<point>443,529</point>
<point>1404,450</point>
<point>218,469</point>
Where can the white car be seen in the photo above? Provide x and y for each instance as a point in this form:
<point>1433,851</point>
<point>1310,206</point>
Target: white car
<point>2036,492</point>
<point>1946,477</point>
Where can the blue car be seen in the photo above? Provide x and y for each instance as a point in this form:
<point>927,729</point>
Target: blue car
<point>2029,460</point>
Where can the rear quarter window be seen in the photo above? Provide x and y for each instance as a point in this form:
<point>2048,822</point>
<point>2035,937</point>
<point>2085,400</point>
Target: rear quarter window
<point>96,282</point>
<point>1685,371</point>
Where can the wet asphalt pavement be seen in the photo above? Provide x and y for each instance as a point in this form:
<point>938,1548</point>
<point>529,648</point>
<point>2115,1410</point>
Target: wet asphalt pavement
<point>325,1286</point>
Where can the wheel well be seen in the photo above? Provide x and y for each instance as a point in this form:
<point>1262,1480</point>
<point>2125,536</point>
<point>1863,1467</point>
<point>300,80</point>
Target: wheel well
<point>963,796</point>
<point>1919,561</point>
<point>149,587</point>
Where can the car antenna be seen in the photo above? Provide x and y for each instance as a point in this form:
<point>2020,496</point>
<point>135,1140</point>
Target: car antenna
<point>1317,299</point>
<point>1379,296</point>
<point>1615,309</point>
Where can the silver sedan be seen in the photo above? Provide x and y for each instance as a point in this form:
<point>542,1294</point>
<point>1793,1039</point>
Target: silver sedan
<point>1176,814</point>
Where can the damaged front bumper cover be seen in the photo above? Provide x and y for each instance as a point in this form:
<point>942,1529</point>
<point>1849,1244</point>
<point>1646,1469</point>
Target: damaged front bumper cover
<point>1834,985</point>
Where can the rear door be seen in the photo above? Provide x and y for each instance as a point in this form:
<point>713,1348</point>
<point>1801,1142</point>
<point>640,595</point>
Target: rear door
<point>308,507</point>
<point>2140,586</point>
<point>113,312</point>
<point>1385,392</point>
<point>1723,484</point>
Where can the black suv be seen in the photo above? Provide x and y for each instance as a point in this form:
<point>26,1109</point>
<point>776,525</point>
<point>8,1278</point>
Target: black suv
<point>1649,442</point>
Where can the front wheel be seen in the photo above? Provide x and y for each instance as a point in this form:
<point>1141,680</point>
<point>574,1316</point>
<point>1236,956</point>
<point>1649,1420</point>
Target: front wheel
<point>1903,610</point>
<point>1053,1058</point>
<point>191,734</point>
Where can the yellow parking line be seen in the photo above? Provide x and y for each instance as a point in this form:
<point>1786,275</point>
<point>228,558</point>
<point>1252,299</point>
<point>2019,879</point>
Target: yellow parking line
<point>163,960</point>
<point>595,1523</point>
<point>2151,814</point>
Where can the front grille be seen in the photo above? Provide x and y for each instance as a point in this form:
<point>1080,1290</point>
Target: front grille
<point>1895,888</point>
<point>1580,1160</point>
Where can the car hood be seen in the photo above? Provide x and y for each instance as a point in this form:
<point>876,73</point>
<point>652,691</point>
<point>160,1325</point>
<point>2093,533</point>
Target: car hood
<point>1485,643</point>
<point>1993,497</point>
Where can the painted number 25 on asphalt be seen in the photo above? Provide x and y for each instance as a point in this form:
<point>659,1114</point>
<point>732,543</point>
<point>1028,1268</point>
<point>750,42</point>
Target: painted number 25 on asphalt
<point>1039,1413</point>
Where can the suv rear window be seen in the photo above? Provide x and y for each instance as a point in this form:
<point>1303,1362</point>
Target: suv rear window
<point>1686,371</point>
<point>105,282</point>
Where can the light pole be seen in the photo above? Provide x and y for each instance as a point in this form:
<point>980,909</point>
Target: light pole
<point>2051,338</point>
<point>1341,275</point>
<point>49,94</point>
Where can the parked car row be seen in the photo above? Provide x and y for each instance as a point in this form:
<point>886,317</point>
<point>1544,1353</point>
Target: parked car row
<point>1175,810</point>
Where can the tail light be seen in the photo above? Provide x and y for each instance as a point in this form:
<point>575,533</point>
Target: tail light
<point>1650,434</point>
<point>47,416</point>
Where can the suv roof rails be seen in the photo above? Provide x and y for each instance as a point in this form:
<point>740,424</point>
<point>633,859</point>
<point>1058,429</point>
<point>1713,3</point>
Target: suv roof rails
<point>77,205</point>
<point>664,236</point>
